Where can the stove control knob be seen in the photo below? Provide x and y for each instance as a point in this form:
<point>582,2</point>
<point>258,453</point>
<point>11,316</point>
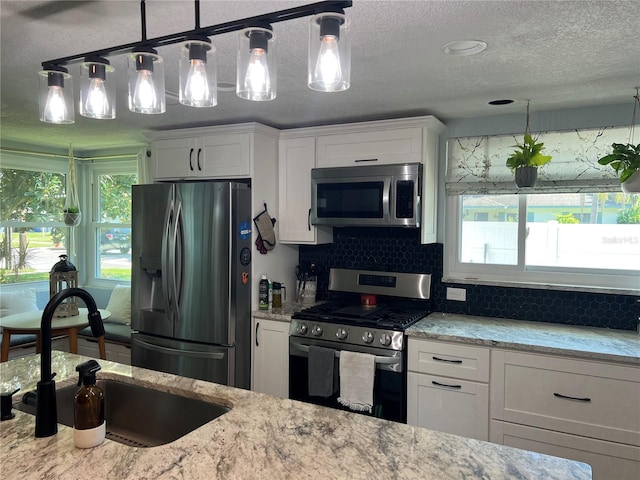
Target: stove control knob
<point>385,339</point>
<point>341,333</point>
<point>302,329</point>
<point>367,337</point>
<point>316,330</point>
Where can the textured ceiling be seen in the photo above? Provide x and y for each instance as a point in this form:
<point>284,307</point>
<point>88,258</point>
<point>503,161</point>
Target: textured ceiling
<point>557,54</point>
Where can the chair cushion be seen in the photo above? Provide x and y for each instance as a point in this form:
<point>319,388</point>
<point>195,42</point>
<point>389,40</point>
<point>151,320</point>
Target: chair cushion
<point>20,339</point>
<point>17,302</point>
<point>120,305</point>
<point>113,332</point>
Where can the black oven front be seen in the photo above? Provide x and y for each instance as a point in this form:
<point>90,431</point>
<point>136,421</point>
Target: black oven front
<point>390,386</point>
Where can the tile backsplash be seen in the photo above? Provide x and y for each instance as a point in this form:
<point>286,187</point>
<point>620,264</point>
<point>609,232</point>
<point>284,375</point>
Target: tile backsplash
<point>399,249</point>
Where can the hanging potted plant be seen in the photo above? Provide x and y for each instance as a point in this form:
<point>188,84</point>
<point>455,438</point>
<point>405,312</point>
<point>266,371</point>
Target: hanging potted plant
<point>625,159</point>
<point>524,162</point>
<point>72,214</point>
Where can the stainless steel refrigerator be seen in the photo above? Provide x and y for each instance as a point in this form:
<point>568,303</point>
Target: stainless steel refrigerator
<point>191,289</point>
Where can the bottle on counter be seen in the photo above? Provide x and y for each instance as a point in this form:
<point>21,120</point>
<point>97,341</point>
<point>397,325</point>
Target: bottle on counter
<point>89,426</point>
<point>263,293</point>
<point>270,294</point>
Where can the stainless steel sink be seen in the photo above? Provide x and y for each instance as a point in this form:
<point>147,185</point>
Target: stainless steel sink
<point>139,416</point>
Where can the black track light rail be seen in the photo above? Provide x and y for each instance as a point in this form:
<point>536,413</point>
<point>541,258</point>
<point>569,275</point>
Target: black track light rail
<point>257,21</point>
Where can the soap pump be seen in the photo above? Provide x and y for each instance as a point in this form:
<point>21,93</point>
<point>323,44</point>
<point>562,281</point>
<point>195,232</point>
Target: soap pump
<point>89,427</point>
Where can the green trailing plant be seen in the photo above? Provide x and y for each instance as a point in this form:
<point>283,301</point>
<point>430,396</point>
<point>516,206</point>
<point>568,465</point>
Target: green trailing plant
<point>625,160</point>
<point>528,154</point>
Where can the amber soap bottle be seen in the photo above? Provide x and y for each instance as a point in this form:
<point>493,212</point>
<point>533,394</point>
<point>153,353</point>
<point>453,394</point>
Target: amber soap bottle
<point>89,426</point>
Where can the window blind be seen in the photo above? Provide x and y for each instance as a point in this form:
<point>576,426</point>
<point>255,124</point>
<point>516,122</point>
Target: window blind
<point>477,165</point>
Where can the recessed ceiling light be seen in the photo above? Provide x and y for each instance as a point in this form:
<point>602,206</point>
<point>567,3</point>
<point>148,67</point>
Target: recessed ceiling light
<point>464,47</point>
<point>506,101</point>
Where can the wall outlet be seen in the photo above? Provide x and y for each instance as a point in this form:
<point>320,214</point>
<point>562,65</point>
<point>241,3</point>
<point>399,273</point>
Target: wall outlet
<point>457,294</point>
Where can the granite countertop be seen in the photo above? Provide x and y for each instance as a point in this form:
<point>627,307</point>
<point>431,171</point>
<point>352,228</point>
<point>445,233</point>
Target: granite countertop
<point>282,314</point>
<point>584,342</point>
<point>260,437</point>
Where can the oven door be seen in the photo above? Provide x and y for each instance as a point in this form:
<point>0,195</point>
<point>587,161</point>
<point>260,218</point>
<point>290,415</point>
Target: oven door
<point>389,389</point>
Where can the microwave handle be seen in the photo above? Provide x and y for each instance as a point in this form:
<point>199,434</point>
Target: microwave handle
<point>366,160</point>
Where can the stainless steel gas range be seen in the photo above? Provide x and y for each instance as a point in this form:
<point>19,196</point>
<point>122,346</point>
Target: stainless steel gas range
<point>368,312</point>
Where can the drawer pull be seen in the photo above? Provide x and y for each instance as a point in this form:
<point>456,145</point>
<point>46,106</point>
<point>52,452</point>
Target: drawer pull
<point>579,399</point>
<point>366,160</point>
<point>438,384</point>
<point>438,359</point>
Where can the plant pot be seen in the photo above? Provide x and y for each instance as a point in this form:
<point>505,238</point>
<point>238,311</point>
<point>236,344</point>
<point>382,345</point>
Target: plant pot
<point>526,176</point>
<point>72,219</point>
<point>632,184</point>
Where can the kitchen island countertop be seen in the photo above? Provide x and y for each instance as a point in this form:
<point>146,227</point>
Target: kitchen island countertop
<point>541,337</point>
<point>260,437</point>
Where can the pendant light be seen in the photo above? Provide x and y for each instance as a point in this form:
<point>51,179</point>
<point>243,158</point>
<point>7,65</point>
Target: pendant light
<point>56,103</point>
<point>97,89</point>
<point>329,64</point>
<point>146,81</point>
<point>198,82</point>
<point>256,70</point>
<point>198,78</point>
<point>329,52</point>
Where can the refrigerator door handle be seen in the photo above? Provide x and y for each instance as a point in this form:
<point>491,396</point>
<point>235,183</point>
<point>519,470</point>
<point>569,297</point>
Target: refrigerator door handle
<point>177,266</point>
<point>182,353</point>
<point>166,257</point>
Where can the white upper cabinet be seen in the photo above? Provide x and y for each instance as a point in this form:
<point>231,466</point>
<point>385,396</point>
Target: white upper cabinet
<point>205,153</point>
<point>297,156</point>
<point>375,147</point>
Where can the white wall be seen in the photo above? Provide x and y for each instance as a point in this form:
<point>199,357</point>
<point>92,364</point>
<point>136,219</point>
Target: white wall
<point>278,264</point>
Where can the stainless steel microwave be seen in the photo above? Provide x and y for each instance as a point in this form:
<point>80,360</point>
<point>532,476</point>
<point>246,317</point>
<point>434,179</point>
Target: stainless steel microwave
<point>374,195</point>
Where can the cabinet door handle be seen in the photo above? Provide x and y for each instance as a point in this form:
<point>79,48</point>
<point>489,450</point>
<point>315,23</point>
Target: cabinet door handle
<point>309,220</point>
<point>366,160</point>
<point>578,399</point>
<point>438,384</point>
<point>190,157</point>
<point>438,359</point>
<point>199,152</point>
<point>257,326</point>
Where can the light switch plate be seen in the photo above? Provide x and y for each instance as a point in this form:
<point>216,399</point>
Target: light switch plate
<point>457,294</point>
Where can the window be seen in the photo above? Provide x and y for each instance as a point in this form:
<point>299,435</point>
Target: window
<point>32,234</point>
<point>112,228</point>
<point>575,228</point>
<point>557,242</point>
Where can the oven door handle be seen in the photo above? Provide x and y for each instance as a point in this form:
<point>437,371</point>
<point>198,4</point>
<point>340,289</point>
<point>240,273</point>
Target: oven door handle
<point>379,360</point>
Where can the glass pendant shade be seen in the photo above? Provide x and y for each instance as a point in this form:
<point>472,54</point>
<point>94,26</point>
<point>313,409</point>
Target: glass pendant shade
<point>97,90</point>
<point>198,78</point>
<point>55,98</point>
<point>256,74</point>
<point>146,82</point>
<point>329,52</point>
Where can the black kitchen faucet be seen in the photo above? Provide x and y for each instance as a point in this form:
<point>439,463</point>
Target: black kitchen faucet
<point>46,414</point>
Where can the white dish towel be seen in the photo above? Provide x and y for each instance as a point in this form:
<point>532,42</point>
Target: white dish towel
<point>357,372</point>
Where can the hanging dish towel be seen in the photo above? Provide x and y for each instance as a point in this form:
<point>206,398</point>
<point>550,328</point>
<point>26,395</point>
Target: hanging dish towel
<point>321,371</point>
<point>266,235</point>
<point>357,372</point>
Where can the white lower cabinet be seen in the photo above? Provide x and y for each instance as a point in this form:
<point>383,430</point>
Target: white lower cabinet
<point>448,405</point>
<point>608,460</point>
<point>447,388</point>
<point>579,409</point>
<point>270,357</point>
